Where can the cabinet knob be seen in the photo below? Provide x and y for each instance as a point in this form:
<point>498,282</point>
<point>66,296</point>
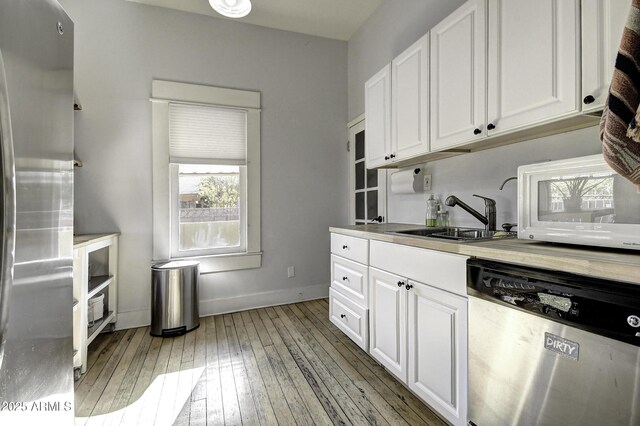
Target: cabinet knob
<point>386,157</point>
<point>345,278</point>
<point>392,156</point>
<point>343,316</point>
<point>491,126</point>
<point>589,99</point>
<point>477,131</point>
<point>344,247</point>
<point>400,283</point>
<point>408,286</point>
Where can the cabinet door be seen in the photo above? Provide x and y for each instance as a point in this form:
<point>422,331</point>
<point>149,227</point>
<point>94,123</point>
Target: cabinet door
<point>377,106</point>
<point>388,321</point>
<point>533,62</point>
<point>602,26</point>
<point>410,101</point>
<point>458,77</point>
<point>437,322</point>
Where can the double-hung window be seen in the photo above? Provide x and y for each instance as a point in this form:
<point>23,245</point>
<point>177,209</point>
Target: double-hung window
<point>206,155</point>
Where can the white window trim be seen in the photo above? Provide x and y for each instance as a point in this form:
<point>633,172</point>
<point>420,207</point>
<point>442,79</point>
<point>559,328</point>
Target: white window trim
<point>163,92</point>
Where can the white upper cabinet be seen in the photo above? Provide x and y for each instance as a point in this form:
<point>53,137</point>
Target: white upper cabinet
<point>494,72</point>
<point>458,77</point>
<point>603,22</point>
<point>410,101</point>
<point>397,108</point>
<point>377,104</point>
<point>533,62</point>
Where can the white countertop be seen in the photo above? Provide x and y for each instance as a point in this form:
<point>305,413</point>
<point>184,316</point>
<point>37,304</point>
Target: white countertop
<point>622,265</point>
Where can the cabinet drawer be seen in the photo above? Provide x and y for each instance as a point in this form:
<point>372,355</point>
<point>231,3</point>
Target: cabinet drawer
<point>350,318</point>
<point>441,270</point>
<point>356,249</point>
<point>350,279</point>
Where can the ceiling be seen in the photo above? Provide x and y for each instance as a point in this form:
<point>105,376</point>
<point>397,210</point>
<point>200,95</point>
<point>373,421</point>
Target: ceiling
<point>336,19</point>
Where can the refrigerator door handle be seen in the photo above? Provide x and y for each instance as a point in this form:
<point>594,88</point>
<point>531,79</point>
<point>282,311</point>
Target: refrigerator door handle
<point>7,207</point>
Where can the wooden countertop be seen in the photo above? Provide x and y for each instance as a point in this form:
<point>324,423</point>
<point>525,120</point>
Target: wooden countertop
<point>622,265</point>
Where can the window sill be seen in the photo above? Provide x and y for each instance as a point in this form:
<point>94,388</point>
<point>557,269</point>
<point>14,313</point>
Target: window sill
<point>226,262</point>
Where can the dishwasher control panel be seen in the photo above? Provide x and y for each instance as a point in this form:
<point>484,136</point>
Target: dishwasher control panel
<point>604,307</point>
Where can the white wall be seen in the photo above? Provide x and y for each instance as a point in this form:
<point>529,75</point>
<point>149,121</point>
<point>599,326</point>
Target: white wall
<point>393,27</point>
<point>120,47</point>
<point>482,173</point>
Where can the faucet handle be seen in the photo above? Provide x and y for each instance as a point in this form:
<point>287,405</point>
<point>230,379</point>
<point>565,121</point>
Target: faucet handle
<point>487,201</point>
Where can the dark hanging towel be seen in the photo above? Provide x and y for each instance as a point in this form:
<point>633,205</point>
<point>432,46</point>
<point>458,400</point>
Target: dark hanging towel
<point>620,124</point>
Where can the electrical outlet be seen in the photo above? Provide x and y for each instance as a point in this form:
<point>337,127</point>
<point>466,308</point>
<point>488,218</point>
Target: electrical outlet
<point>291,272</point>
<point>427,182</point>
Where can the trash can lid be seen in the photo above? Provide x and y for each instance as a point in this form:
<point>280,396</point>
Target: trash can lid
<point>176,264</point>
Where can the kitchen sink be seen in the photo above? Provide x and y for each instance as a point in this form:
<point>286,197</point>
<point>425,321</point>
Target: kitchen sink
<point>456,234</point>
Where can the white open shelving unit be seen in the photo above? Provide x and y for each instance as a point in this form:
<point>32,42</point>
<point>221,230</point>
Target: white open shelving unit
<point>95,271</point>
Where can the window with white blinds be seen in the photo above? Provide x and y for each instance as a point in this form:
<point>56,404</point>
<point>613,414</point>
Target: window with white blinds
<point>203,134</point>
<point>206,175</point>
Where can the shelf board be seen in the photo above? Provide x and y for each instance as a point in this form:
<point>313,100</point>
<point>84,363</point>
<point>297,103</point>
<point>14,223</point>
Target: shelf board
<point>99,325</point>
<point>98,283</point>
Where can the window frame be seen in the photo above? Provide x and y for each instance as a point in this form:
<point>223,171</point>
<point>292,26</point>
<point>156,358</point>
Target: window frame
<point>163,93</point>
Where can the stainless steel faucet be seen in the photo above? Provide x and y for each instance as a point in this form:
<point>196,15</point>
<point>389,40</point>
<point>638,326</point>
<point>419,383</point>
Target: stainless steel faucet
<point>489,218</point>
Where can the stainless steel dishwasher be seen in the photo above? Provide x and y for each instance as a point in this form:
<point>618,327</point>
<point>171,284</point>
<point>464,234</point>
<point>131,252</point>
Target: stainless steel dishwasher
<point>551,348</point>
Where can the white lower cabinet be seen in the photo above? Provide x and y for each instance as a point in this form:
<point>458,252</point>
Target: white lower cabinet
<point>349,317</point>
<point>388,321</point>
<point>349,292</point>
<point>418,323</point>
<point>437,346</point>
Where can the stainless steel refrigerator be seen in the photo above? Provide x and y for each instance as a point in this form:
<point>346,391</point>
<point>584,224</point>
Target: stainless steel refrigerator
<point>36,137</point>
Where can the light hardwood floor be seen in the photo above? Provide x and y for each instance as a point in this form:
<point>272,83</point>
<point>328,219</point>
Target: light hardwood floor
<point>283,365</point>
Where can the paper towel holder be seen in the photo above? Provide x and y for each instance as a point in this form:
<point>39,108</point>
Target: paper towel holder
<point>407,181</point>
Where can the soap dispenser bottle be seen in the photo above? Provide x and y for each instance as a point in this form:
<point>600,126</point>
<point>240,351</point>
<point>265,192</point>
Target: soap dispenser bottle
<point>431,216</point>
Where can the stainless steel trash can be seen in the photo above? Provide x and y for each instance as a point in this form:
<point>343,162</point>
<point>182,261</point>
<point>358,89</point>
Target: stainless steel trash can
<point>174,298</point>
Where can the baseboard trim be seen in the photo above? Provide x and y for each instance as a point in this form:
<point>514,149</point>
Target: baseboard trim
<point>142,318</point>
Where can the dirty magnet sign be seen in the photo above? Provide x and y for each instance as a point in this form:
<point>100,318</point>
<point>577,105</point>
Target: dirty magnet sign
<point>559,345</point>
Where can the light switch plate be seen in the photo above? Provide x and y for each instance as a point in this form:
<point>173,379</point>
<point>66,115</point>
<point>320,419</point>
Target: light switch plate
<point>427,182</point>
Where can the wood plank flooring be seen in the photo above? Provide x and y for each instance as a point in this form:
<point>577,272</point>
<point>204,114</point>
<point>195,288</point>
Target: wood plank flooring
<point>286,365</point>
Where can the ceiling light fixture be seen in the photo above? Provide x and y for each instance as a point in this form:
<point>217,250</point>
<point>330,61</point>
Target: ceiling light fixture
<point>231,8</point>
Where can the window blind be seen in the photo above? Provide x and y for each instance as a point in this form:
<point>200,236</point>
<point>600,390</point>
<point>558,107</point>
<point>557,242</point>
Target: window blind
<point>200,134</point>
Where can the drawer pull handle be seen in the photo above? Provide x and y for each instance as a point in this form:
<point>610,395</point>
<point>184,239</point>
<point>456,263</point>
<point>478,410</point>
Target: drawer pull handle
<point>343,316</point>
<point>400,283</point>
<point>345,278</point>
<point>409,286</point>
<point>344,247</point>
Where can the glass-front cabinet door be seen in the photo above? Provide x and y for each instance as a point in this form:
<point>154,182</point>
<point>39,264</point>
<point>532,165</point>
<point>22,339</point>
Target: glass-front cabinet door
<point>367,188</point>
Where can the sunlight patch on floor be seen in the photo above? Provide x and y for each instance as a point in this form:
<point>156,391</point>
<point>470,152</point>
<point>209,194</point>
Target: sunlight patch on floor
<point>159,405</point>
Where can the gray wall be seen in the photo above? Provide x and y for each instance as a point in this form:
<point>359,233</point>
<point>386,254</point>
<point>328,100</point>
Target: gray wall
<point>120,48</point>
<point>393,27</point>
